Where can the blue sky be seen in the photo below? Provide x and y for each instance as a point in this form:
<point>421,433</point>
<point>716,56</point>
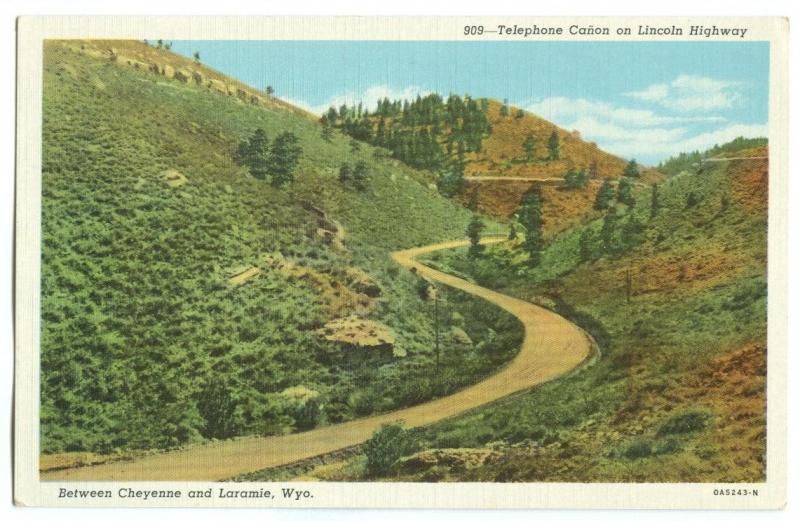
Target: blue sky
<point>647,100</point>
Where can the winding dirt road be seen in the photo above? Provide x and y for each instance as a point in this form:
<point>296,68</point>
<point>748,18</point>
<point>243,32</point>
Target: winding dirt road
<point>552,346</point>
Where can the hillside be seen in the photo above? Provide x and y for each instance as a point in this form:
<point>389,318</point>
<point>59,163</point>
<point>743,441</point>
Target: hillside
<point>679,315</point>
<point>487,151</point>
<point>503,155</point>
<point>184,300</point>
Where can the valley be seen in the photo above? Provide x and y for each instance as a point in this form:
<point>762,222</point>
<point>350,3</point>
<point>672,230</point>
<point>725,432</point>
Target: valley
<point>431,289</point>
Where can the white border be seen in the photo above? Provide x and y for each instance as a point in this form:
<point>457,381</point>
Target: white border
<point>30,491</point>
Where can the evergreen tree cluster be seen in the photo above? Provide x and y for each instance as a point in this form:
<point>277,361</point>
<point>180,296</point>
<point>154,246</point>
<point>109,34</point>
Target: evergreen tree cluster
<point>357,176</point>
<point>427,132</point>
<point>530,217</point>
<point>576,179</point>
<point>277,160</point>
<point>617,235</point>
<point>689,161</point>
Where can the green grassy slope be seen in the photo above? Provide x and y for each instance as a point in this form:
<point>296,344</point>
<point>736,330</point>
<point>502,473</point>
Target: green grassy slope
<point>140,324</point>
<point>679,391</point>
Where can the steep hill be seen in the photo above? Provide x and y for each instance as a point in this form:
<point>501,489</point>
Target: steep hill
<point>503,152</point>
<point>183,299</point>
<point>488,152</point>
<point>679,314</point>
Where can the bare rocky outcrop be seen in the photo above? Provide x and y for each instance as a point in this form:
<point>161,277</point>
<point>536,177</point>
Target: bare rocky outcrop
<point>376,339</point>
<point>240,276</point>
<point>173,178</point>
<point>182,75</point>
<point>455,459</point>
<point>218,86</point>
<point>329,230</point>
<point>361,282</point>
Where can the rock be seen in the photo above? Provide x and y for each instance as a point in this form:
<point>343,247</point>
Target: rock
<point>243,275</point>
<point>173,178</point>
<point>358,332</point>
<point>362,283</point>
<point>299,392</point>
<point>218,86</point>
<point>168,71</point>
<point>460,337</point>
<point>182,75</point>
<point>197,76</point>
<point>241,94</point>
<point>460,459</point>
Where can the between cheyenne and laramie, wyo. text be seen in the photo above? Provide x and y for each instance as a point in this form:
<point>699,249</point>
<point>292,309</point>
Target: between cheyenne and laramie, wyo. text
<point>702,31</point>
<point>205,493</point>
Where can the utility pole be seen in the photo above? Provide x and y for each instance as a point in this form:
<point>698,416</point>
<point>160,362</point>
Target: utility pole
<point>628,284</point>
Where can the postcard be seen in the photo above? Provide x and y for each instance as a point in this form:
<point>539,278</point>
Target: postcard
<point>401,262</point>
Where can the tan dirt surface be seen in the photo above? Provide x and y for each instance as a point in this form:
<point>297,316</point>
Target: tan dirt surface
<point>552,347</point>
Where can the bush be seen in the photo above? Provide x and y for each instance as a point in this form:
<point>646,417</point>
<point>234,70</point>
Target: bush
<point>685,422</point>
<point>362,402</point>
<point>387,445</point>
<point>464,437</point>
<point>307,414</point>
<point>638,448</point>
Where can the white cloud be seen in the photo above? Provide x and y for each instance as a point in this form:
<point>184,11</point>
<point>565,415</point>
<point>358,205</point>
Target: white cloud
<point>644,134</point>
<point>688,93</point>
<point>558,108</point>
<point>643,146</point>
<point>369,98</point>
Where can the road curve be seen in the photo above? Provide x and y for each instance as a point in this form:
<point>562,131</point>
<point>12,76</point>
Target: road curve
<point>552,346</point>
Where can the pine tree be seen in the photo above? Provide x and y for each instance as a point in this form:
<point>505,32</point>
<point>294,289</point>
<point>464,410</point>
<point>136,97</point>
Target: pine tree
<point>631,169</point>
<point>529,146</point>
<point>576,179</point>
<point>504,109</point>
<point>284,156</point>
<point>519,115</point>
<point>605,196</point>
<point>254,153</point>
<point>345,174</point>
<point>608,231</point>
<point>554,146</point>
<point>327,131</point>
<point>333,116</point>
<point>361,175</point>
<point>474,229</point>
<point>586,245</point>
<point>625,192</point>
<point>632,231</point>
<point>655,203</point>
<point>355,146</point>
<point>530,217</point>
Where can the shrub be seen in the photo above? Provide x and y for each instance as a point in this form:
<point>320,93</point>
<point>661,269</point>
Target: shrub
<point>307,414</point>
<point>638,448</point>
<point>387,445</point>
<point>685,422</point>
<point>362,402</point>
<point>217,408</point>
